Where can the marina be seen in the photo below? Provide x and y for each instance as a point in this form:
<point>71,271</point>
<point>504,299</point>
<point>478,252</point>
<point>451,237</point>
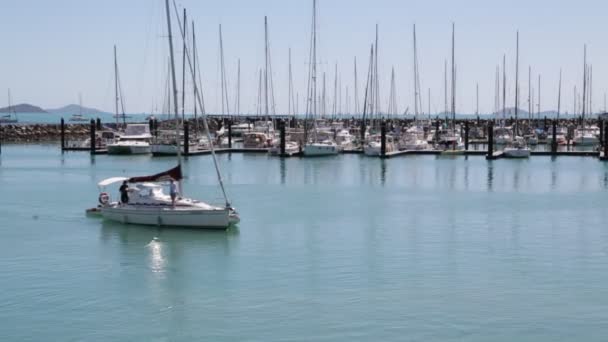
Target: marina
<point>304,171</point>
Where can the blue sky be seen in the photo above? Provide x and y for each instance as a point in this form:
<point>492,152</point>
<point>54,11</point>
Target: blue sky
<point>53,50</point>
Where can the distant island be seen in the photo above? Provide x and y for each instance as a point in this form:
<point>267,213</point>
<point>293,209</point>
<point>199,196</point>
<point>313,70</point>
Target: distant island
<point>72,109</point>
<point>22,108</point>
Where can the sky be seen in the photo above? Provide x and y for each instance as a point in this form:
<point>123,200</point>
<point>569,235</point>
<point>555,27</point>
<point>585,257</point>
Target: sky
<point>52,51</point>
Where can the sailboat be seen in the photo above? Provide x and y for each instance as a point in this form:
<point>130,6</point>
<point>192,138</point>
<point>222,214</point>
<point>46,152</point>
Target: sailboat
<point>518,148</point>
<point>451,141</point>
<point>149,205</point>
<point>11,117</point>
<point>319,145</point>
<point>137,137</point>
<point>78,117</point>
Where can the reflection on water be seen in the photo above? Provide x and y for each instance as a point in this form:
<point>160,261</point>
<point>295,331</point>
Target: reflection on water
<point>490,179</point>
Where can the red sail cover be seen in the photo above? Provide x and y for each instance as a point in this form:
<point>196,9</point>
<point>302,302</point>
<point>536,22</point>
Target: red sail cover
<point>173,174</point>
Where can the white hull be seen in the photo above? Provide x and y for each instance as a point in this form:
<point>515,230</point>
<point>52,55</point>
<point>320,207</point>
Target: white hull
<point>318,150</point>
<point>290,149</point>
<point>586,140</point>
<point>513,152</point>
<point>129,149</point>
<point>165,215</point>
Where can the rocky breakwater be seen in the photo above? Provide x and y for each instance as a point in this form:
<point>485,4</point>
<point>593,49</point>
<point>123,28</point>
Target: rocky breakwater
<point>42,132</point>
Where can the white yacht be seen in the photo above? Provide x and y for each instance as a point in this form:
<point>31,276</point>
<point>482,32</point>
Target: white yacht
<point>586,136</point>
<point>291,148</point>
<point>149,205</point>
<point>345,139</point>
<point>136,140</point>
<point>517,149</point>
<point>321,148</point>
<point>374,146</point>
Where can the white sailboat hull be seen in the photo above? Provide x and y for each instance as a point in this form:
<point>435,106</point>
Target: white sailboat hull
<point>317,150</point>
<point>129,149</point>
<point>513,152</point>
<point>586,140</point>
<point>168,216</point>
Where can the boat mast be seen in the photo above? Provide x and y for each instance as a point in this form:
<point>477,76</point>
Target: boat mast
<point>266,68</point>
<point>237,109</point>
<point>116,85</point>
<point>453,82</point>
<point>416,78</point>
<point>445,87</point>
<point>314,67</point>
<point>517,83</point>
<point>194,53</point>
<point>504,89</point>
<point>356,109</point>
<point>376,80</point>
<point>225,106</point>
<point>335,104</point>
<point>184,72</point>
<point>559,94</point>
<point>174,88</point>
<point>538,112</point>
<point>476,99</point>
<point>530,92</point>
<point>584,82</point>
<point>290,92</point>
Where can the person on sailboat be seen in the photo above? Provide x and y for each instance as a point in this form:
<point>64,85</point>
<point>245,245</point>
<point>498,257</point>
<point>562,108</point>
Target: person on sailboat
<point>173,192</point>
<point>124,193</point>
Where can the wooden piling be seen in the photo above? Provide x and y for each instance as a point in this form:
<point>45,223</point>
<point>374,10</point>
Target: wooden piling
<point>601,126</point>
<point>229,133</point>
<point>490,154</point>
<point>92,138</point>
<point>282,133</point>
<point>98,123</point>
<point>466,135</point>
<point>383,139</point>
<point>554,141</point>
<point>62,135</point>
<point>605,141</point>
<point>187,139</point>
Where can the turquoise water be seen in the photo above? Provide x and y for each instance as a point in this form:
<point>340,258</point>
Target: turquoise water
<point>349,248</point>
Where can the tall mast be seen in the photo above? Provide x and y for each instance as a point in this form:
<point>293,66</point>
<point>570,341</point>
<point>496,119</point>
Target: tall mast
<point>335,107</point>
<point>266,68</point>
<point>429,113</point>
<point>538,97</point>
<point>376,81</point>
<point>584,81</point>
<point>559,94</point>
<point>237,109</point>
<point>174,84</point>
<point>476,99</point>
<point>530,92</point>
<point>415,78</point>
<point>356,90</point>
<point>314,59</point>
<point>445,87</point>
<point>453,81</point>
<point>517,83</point>
<point>194,87</point>
<point>290,103</point>
<point>504,89</point>
<point>116,85</point>
<point>225,106</point>
<point>184,72</point>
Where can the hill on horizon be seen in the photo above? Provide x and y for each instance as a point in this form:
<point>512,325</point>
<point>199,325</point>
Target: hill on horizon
<point>72,109</point>
<point>22,108</point>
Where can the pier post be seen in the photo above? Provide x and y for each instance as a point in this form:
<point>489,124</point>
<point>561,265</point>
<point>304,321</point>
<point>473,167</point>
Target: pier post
<point>229,133</point>
<point>282,132</point>
<point>187,139</point>
<point>362,135</point>
<point>151,125</point>
<point>554,141</point>
<point>98,122</point>
<point>545,124</point>
<point>466,135</point>
<point>601,126</point>
<point>490,155</point>
<point>436,129</point>
<point>92,137</point>
<point>383,139</point>
<point>605,141</point>
<point>62,135</point>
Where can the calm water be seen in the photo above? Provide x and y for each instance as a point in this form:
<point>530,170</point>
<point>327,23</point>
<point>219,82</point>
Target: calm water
<point>418,248</point>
